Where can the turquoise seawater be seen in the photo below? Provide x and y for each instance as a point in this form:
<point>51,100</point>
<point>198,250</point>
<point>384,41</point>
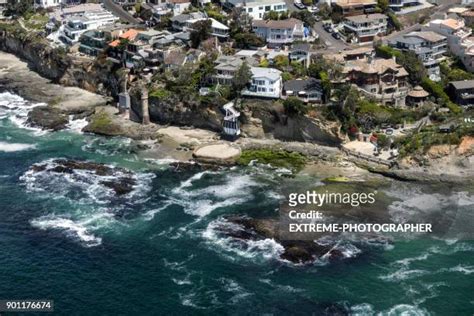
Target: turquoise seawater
<point>156,251</point>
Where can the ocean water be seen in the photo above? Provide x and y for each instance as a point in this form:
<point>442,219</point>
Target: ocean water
<point>158,249</point>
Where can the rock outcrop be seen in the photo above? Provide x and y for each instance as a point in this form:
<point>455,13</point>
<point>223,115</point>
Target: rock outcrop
<point>47,117</point>
<point>302,128</point>
<point>96,76</point>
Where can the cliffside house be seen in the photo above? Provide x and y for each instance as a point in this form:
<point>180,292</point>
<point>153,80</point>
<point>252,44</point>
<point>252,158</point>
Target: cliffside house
<point>280,32</point>
<point>366,27</point>
<point>77,25</point>
<point>354,7</point>
<point>227,66</point>
<point>462,92</point>
<point>307,90</point>
<point>265,83</point>
<point>430,47</point>
<point>381,79</point>
<point>94,42</point>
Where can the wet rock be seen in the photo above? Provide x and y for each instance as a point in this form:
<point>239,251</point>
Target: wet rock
<point>47,117</point>
<point>193,167</point>
<point>67,166</point>
<point>296,251</point>
<point>121,187</point>
<point>122,183</point>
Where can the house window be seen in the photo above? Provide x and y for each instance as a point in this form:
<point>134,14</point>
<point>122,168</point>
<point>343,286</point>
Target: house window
<point>268,8</point>
<point>250,10</point>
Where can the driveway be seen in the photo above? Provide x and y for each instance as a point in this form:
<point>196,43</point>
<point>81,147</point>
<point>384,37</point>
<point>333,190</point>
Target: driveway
<point>331,42</point>
<point>118,11</point>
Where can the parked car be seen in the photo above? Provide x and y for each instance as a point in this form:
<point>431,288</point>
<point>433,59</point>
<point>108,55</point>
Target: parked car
<point>389,131</point>
<point>336,35</point>
<point>300,6</point>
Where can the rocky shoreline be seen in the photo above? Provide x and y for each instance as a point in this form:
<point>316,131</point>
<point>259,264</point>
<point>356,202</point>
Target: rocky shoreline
<point>180,143</point>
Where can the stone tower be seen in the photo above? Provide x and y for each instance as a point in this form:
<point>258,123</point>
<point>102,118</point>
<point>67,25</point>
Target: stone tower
<point>144,102</point>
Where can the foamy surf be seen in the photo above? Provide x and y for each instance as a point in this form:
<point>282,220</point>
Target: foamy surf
<point>235,189</point>
<point>13,147</point>
<point>16,109</point>
<point>266,249</point>
<point>76,125</point>
<point>76,230</point>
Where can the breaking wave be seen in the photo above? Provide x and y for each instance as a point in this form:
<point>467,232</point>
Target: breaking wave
<point>235,189</point>
<point>263,249</point>
<point>12,147</point>
<point>98,198</point>
<point>16,109</point>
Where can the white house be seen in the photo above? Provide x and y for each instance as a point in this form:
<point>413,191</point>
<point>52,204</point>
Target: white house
<point>76,25</point>
<point>47,3</point>
<point>256,9</point>
<point>281,32</point>
<point>266,83</point>
<point>179,6</point>
<point>217,28</point>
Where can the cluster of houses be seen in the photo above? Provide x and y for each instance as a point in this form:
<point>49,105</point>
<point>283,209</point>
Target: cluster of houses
<point>89,29</point>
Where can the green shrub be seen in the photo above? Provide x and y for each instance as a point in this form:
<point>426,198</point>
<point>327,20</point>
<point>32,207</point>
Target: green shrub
<point>294,106</point>
<point>160,93</point>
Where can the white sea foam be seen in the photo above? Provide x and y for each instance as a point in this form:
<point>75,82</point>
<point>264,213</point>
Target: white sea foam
<point>76,229</point>
<point>12,147</point>
<point>151,213</point>
<point>403,274</point>
<point>202,201</point>
<point>366,309</point>
<point>464,269</point>
<point>76,125</point>
<point>86,185</point>
<point>17,109</point>
<point>265,249</point>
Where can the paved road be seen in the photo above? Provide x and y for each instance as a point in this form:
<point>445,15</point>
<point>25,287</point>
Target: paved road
<point>331,42</point>
<point>119,12</point>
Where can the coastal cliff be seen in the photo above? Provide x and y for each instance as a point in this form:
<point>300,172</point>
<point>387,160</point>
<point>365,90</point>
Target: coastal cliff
<point>97,76</point>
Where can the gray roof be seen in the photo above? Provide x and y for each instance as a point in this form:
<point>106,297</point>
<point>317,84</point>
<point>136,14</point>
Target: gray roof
<point>310,84</point>
<point>301,47</point>
<point>363,18</point>
<point>230,63</point>
<point>463,84</point>
<point>269,73</point>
